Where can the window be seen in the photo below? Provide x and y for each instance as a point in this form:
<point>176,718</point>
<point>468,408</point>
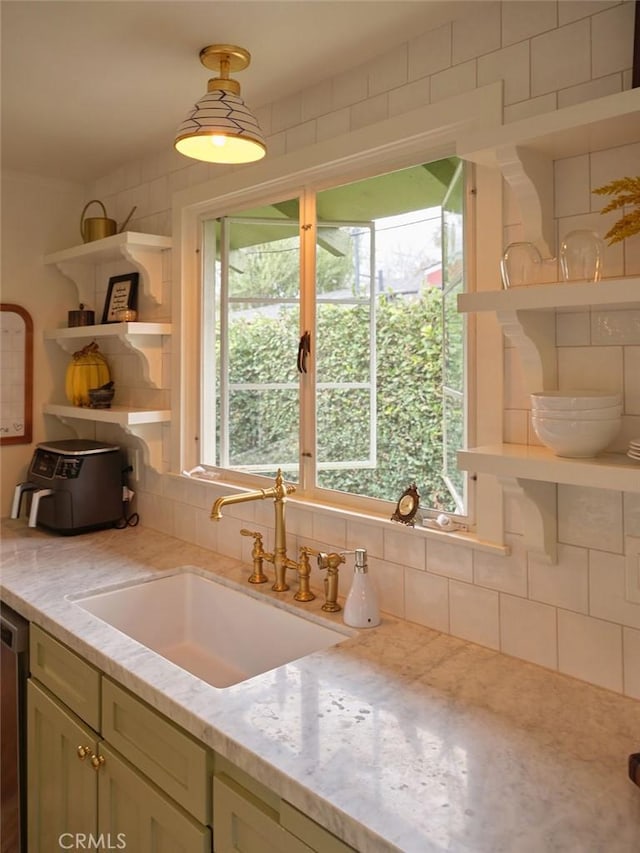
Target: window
<point>332,347</point>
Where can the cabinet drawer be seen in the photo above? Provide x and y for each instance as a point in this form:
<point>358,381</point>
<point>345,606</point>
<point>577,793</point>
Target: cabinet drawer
<point>316,836</point>
<point>245,824</point>
<point>177,763</point>
<point>74,681</point>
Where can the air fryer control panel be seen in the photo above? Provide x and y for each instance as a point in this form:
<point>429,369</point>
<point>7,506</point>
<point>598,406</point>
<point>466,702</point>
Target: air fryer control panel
<point>49,465</point>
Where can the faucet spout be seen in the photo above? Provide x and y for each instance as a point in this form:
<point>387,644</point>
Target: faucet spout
<point>278,492</point>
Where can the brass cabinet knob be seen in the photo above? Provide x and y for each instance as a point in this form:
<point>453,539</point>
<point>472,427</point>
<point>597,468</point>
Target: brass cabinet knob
<point>83,752</point>
<point>97,761</point>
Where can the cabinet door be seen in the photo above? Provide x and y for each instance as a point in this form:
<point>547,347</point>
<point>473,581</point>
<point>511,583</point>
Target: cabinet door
<point>242,823</point>
<point>62,787</point>
<point>134,815</point>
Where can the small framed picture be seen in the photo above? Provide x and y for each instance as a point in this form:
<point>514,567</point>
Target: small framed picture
<point>122,295</point>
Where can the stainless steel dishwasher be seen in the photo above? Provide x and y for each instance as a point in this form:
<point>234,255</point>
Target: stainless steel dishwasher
<point>13,735</point>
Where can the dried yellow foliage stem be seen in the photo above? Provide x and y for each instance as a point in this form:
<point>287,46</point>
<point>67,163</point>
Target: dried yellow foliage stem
<point>626,192</point>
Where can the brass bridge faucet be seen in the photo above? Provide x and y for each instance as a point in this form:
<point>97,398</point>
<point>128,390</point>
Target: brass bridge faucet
<point>279,558</point>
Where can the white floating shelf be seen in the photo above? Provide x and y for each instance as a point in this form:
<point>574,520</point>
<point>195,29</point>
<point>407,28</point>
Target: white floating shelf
<point>107,330</point>
<point>142,251</point>
<point>590,126</point>
<point>120,415</point>
<point>548,297</point>
<point>109,248</point>
<point>614,471</point>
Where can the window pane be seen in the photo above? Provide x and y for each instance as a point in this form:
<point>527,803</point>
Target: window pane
<point>263,343</point>
<point>343,425</point>
<point>401,332</point>
<point>264,427</point>
<point>343,343</point>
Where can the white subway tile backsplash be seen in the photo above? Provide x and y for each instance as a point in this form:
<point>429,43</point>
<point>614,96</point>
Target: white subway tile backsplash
<point>350,87</point>
<point>453,561</point>
<point>615,327</point>
<point>317,101</point>
<point>504,573</point>
<point>532,107</point>
<point>515,426</point>
<point>600,88</point>
<point>607,590</point>
<point>286,113</point>
<point>333,124</point>
<point>609,165</point>
<point>426,599</point>
<point>573,328</point>
<point>590,368</point>
<point>590,649</point>
<point>519,604</point>
<point>477,32</point>
<point>403,547</point>
<point>409,97</point>
<point>330,528</point>
<point>370,111</point>
<point>561,58</point>
<point>389,71</point>
<point>612,45</point>
<point>631,503</point>
<point>631,662</point>
<point>363,535</point>
<point>571,186</point>
<point>591,518</point>
<point>528,630</point>
<point>454,81</point>
<point>632,380</point>
<point>526,19</point>
<point>564,584</point>
<point>388,581</point>
<point>516,393</point>
<point>429,52</point>
<point>474,614</point>
<point>301,136</point>
<point>573,10</point>
<point>511,65</point>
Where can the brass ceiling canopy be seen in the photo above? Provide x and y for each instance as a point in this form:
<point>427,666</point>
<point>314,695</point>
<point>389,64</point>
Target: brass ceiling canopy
<point>220,128</point>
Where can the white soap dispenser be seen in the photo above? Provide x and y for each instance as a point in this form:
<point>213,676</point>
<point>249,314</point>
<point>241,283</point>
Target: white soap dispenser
<point>361,607</point>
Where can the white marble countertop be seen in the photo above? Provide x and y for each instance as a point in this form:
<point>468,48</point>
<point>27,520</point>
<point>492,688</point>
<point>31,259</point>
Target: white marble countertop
<point>400,738</point>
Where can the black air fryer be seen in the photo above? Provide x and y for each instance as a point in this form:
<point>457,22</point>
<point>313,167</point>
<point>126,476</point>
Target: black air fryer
<point>75,486</point>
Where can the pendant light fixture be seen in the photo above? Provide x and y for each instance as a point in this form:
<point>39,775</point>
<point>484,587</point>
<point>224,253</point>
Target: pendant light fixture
<point>221,128</point>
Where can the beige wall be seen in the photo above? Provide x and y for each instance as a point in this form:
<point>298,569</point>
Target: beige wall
<point>38,216</point>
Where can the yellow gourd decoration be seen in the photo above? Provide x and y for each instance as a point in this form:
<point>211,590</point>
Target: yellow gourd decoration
<point>88,369</point>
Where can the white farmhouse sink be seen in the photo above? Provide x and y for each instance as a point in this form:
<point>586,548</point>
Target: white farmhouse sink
<point>217,633</point>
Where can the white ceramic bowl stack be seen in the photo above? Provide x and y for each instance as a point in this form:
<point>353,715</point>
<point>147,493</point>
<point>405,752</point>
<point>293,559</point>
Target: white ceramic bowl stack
<point>634,449</point>
<point>576,423</point>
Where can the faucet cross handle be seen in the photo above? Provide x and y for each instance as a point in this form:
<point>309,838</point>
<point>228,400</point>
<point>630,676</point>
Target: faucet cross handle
<point>304,574</point>
<point>257,554</point>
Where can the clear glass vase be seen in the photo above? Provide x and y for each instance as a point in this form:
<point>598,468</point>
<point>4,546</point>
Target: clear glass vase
<point>520,264</point>
<point>581,256</point>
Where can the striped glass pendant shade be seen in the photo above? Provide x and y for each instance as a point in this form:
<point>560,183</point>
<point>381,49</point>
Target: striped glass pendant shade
<point>221,128</point>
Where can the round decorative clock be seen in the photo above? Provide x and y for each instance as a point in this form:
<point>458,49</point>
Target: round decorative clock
<point>407,506</point>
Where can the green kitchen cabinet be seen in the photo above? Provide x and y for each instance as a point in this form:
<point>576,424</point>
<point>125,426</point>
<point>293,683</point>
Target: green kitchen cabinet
<point>106,769</point>
<point>62,786</point>
<point>82,793</point>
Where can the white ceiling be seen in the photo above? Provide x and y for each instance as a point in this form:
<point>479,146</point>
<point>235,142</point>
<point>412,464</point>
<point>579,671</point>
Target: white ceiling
<point>88,85</point>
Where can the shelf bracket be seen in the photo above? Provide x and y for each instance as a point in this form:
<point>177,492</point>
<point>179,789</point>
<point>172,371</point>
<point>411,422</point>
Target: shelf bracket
<point>533,333</point>
<point>529,173</point>
<point>149,351</point>
<point>84,278</point>
<point>538,501</point>
<point>149,437</point>
<point>148,262</point>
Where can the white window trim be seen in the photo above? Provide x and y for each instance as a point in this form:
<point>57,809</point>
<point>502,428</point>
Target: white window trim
<point>429,133</point>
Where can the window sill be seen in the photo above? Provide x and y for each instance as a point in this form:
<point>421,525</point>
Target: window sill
<point>462,538</point>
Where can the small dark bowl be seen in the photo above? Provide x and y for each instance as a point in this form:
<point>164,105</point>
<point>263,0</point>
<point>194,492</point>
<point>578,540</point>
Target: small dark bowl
<point>100,398</point>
